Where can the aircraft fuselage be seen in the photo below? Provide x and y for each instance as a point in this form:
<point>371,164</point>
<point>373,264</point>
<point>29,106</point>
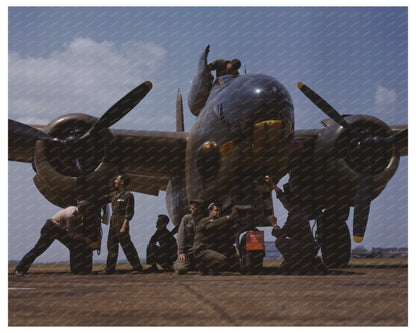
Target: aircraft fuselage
<point>241,134</point>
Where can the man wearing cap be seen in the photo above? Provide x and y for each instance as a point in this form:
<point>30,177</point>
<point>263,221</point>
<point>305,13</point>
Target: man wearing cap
<point>64,226</point>
<point>205,247</point>
<point>225,67</point>
<point>165,253</point>
<point>186,233</point>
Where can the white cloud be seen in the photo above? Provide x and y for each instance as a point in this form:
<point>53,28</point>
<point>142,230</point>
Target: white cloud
<point>385,102</point>
<point>86,76</point>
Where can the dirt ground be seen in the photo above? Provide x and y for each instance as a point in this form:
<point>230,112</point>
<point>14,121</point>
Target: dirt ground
<point>367,293</point>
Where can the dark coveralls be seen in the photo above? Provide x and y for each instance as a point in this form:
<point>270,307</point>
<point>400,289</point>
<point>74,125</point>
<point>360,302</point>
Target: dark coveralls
<point>295,241</point>
<point>205,243</point>
<point>122,205</point>
<point>164,254</point>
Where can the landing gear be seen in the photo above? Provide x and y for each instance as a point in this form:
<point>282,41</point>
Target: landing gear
<point>334,237</point>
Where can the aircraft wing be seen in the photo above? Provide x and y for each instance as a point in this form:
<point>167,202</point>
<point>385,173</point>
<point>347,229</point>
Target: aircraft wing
<point>403,143</point>
<point>151,158</point>
<point>21,147</point>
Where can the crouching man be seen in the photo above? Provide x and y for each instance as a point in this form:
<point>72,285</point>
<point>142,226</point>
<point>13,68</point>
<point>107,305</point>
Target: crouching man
<point>65,226</point>
<point>186,233</point>
<point>295,240</point>
<point>165,253</point>
<point>210,260</point>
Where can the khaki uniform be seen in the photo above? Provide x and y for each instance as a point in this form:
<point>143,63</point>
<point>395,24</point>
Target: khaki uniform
<point>205,244</point>
<point>122,204</point>
<point>185,237</point>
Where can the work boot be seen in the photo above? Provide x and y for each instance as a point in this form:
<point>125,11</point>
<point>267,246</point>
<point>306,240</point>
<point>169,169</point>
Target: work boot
<point>137,270</point>
<point>107,272</point>
<point>203,270</point>
<point>154,269</point>
<point>319,266</point>
<point>18,273</point>
<point>168,269</point>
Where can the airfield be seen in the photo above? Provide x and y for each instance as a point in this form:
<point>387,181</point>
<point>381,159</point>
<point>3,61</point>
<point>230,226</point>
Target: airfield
<point>369,292</point>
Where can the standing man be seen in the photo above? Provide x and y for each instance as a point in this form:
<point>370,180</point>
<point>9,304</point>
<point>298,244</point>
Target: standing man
<point>207,233</point>
<point>166,252</point>
<point>65,226</point>
<point>186,234</point>
<point>122,205</point>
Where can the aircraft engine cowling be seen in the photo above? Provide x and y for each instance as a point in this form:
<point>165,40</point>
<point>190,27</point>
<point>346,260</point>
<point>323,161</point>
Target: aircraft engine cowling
<point>58,165</point>
<point>341,153</point>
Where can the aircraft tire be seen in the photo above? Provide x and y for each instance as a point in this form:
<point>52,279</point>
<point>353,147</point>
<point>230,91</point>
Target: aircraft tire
<point>335,241</point>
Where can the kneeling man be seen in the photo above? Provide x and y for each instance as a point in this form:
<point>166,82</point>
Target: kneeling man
<point>206,235</point>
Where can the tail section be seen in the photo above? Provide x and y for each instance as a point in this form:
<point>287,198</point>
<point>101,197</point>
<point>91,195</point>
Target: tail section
<point>180,127</point>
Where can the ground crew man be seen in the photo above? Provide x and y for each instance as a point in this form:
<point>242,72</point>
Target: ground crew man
<point>64,226</point>
<point>295,240</point>
<point>122,205</point>
<point>186,233</point>
<point>225,67</point>
<point>224,243</point>
<point>166,252</point>
<point>205,242</point>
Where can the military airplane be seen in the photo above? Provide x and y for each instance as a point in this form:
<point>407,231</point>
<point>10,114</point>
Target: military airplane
<point>244,130</point>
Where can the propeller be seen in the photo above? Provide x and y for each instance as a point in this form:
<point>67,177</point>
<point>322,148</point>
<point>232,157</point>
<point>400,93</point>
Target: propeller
<point>121,108</point>
<point>367,149</point>
<point>27,131</point>
<point>109,118</point>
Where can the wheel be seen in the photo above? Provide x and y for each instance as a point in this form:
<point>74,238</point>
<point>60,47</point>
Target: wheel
<point>335,239</point>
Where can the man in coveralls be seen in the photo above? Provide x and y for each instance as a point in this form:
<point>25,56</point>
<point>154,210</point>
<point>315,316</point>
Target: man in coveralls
<point>295,240</point>
<point>122,205</point>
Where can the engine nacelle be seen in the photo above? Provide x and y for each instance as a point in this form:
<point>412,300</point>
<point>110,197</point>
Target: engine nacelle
<point>58,166</point>
<point>335,151</point>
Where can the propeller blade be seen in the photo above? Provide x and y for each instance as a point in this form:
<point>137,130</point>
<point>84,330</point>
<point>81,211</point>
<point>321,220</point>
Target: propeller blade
<point>398,137</point>
<point>323,105</point>
<point>25,130</point>
<point>362,201</point>
<point>122,107</point>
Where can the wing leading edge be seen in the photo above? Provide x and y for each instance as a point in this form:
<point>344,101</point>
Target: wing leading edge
<point>150,158</point>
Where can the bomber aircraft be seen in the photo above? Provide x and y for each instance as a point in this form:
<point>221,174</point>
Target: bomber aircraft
<point>244,130</point>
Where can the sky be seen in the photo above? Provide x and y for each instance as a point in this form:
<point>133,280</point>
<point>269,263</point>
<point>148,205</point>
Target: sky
<point>84,59</point>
